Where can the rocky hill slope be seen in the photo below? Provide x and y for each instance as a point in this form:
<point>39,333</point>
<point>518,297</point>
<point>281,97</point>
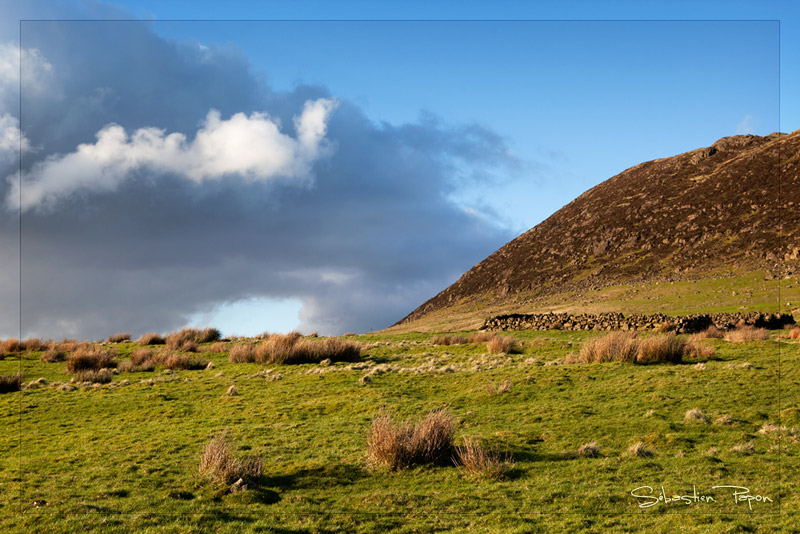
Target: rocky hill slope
<point>734,205</point>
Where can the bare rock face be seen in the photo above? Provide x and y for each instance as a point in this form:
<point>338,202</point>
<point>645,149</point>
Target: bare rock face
<point>735,204</point>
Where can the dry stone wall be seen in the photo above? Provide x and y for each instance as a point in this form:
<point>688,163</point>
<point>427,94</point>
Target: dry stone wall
<point>617,321</point>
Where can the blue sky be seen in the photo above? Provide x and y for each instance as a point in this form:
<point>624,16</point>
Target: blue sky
<point>452,128</point>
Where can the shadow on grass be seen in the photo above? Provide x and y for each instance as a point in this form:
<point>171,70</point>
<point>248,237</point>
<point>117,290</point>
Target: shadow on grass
<point>322,476</point>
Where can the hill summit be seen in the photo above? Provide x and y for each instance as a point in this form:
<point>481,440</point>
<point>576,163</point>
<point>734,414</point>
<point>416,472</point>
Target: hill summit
<point>732,207</point>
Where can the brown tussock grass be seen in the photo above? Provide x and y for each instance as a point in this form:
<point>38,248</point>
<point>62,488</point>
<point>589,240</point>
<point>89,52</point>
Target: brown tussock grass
<point>712,332</point>
<point>587,450</point>
<point>95,376</point>
<point>794,333</point>
<point>747,333</point>
<point>220,464</point>
<point>33,344</point>
<point>219,346</point>
<point>242,353</point>
<point>480,337</point>
<point>696,415</point>
<point>151,338</point>
<point>613,347</point>
<point>119,337</point>
<point>400,444</point>
<point>667,348</point>
<point>448,339</point>
<point>9,383</point>
<point>89,358</point>
<point>10,346</point>
<point>640,450</point>
<point>476,460</point>
<point>292,349</point>
<point>53,355</point>
<point>502,344</point>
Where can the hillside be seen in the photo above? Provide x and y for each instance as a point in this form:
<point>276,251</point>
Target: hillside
<point>727,211</point>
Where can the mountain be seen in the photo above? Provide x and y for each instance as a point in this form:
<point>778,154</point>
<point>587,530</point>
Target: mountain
<point>722,211</point>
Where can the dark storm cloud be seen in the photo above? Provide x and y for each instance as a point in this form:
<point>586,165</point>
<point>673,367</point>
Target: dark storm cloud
<point>368,236</point>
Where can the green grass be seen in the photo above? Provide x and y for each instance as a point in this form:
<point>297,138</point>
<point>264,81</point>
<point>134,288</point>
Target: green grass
<point>124,458</point>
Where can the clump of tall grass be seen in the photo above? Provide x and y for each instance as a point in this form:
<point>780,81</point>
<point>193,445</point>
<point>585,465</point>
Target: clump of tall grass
<point>186,339</point>
<point>10,346</point>
<point>9,383</point>
<point>399,444</point>
<point>640,450</point>
<point>794,333</point>
<point>481,337</point>
<point>53,355</point>
<point>33,344</point>
<point>95,376</point>
<point>449,339</point>
<point>667,348</point>
<point>476,460</point>
<point>506,344</point>
<point>151,338</point>
<point>747,333</point>
<point>220,464</point>
<point>613,347</point>
<point>119,337</point>
<point>712,332</point>
<point>291,349</point>
<point>90,358</point>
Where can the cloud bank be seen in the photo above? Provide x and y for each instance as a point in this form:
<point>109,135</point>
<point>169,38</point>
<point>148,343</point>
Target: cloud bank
<point>142,208</point>
<point>250,147</point>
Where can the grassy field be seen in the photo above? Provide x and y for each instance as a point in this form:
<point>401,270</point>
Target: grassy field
<point>721,291</point>
<point>124,456</point>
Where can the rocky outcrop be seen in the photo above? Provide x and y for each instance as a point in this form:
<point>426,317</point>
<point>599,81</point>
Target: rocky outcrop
<point>683,324</point>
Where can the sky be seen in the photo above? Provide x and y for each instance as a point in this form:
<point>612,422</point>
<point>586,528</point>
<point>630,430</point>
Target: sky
<point>329,166</point>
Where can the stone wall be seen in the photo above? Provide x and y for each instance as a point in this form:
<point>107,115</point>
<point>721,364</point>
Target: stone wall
<point>617,321</point>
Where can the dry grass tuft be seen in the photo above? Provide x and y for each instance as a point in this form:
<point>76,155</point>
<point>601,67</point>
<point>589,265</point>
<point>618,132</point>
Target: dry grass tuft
<point>665,327</point>
<point>90,358</point>
<point>794,333</point>
<point>10,346</point>
<point>96,376</point>
<point>613,347</point>
<point>667,348</point>
<point>291,349</point>
<point>476,460</point>
<point>9,383</point>
<point>499,389</point>
<point>399,444</point>
<point>696,415</point>
<point>712,332</point>
<point>53,355</point>
<point>33,344</point>
<point>745,448</point>
<point>640,450</point>
<point>747,333</point>
<point>448,339</point>
<point>220,464</point>
<point>481,337</point>
<point>502,344</point>
<point>151,339</point>
<point>242,353</point>
<point>119,337</point>
<point>587,450</point>
<point>700,351</point>
<point>219,346</point>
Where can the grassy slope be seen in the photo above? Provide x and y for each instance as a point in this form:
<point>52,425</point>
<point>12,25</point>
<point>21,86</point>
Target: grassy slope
<point>124,458</point>
<point>722,293</point>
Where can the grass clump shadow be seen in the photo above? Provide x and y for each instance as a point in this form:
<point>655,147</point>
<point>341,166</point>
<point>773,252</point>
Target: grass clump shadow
<point>400,444</point>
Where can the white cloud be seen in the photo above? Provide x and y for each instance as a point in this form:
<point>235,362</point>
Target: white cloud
<point>10,139</point>
<point>249,147</point>
<point>36,72</point>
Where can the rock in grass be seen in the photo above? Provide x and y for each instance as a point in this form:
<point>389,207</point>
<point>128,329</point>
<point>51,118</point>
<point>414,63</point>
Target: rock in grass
<point>231,391</point>
<point>210,366</point>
